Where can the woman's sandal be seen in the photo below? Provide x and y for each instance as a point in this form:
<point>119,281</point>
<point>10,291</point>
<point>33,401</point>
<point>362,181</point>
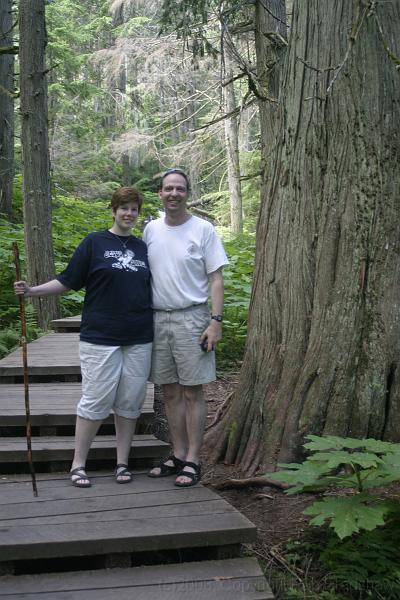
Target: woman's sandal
<point>79,478</point>
<point>194,477</point>
<point>166,470</point>
<point>122,470</point>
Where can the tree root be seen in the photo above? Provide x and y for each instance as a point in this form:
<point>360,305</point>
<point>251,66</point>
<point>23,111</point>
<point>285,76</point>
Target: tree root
<point>248,482</point>
<point>219,411</point>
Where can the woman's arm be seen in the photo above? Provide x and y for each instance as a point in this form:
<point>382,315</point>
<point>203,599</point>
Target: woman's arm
<point>51,288</point>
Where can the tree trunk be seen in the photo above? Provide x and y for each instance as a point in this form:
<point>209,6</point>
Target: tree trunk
<point>232,143</point>
<point>35,152</point>
<point>6,111</point>
<point>323,347</point>
<point>270,35</point>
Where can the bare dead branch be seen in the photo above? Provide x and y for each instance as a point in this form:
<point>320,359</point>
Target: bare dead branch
<point>250,482</point>
<point>8,93</point>
<point>9,50</point>
<point>204,213</point>
<point>352,39</point>
<point>389,52</point>
<point>272,14</point>
<point>228,115</point>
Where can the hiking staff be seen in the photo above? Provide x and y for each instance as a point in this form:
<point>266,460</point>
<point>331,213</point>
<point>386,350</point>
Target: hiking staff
<point>25,365</point>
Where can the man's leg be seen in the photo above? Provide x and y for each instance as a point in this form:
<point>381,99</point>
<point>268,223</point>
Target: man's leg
<point>195,407</point>
<point>175,409</point>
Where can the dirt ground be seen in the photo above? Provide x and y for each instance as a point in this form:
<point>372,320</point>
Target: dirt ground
<point>277,516</point>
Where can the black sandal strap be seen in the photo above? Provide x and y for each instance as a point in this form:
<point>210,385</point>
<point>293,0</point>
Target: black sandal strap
<point>192,465</point>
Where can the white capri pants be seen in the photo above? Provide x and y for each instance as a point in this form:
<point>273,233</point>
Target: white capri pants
<point>113,378</point>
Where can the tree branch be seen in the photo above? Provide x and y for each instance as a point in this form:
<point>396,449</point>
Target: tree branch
<point>204,213</point>
<point>9,50</point>
<point>389,52</point>
<point>228,115</point>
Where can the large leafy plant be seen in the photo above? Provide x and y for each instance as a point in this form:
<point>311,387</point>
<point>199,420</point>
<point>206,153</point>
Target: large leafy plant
<point>346,469</point>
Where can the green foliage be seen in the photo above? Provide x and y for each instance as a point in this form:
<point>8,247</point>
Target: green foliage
<point>9,232</point>
<point>10,336</point>
<point>364,566</point>
<point>346,463</point>
<point>237,282</point>
<point>368,563</point>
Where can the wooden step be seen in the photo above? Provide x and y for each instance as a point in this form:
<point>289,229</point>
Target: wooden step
<point>220,579</point>
<point>147,515</point>
<point>55,449</point>
<point>52,354</point>
<point>67,324</point>
<point>54,405</point>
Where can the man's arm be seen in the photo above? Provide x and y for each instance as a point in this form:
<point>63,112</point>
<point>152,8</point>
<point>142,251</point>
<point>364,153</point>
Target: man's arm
<point>213,332</point>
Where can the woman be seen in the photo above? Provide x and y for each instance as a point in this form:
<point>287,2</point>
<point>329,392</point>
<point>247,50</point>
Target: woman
<point>116,330</point>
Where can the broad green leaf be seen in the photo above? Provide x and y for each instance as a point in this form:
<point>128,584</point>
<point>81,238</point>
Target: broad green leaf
<point>339,457</point>
<point>348,514</point>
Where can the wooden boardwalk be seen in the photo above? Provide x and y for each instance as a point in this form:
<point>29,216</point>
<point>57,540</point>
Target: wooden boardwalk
<point>147,515</point>
<point>238,578</point>
<point>51,404</point>
<point>52,354</point>
<point>67,324</point>
<point>189,538</point>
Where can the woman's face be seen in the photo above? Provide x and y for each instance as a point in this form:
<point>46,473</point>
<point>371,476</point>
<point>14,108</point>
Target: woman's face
<point>125,216</point>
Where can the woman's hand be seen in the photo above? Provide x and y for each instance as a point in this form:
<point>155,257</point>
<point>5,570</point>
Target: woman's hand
<point>21,288</point>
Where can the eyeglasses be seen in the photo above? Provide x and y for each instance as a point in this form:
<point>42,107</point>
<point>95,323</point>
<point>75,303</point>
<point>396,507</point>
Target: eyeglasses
<point>179,172</point>
<point>170,171</point>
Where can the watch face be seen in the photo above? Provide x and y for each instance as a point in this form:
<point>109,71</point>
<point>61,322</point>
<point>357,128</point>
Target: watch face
<point>217,318</point>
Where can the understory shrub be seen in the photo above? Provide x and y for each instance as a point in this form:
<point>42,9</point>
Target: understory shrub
<point>237,282</point>
<point>359,515</point>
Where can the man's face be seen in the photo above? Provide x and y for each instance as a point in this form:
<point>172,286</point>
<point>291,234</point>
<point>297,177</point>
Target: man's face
<point>174,194</point>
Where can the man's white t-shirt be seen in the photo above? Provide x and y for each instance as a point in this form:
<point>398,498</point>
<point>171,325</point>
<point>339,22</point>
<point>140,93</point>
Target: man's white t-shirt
<point>181,257</point>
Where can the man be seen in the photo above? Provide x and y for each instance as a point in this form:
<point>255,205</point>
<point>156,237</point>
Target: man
<point>186,259</point>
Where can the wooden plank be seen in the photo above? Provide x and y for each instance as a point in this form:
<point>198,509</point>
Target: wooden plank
<point>66,324</point>
<point>147,520</point>
<point>221,580</point>
<point>61,448</point>
<point>54,353</point>
<point>51,404</point>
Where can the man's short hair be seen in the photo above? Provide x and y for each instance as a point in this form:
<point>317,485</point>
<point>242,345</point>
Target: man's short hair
<point>171,172</point>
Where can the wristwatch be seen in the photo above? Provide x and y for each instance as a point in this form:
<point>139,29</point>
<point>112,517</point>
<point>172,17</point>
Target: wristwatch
<point>217,318</point>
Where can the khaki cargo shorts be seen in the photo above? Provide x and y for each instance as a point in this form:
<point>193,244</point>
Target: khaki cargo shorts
<point>177,356</point>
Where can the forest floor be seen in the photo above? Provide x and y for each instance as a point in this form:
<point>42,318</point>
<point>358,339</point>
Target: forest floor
<point>278,517</point>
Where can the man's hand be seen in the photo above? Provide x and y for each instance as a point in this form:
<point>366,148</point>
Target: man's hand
<point>213,334</point>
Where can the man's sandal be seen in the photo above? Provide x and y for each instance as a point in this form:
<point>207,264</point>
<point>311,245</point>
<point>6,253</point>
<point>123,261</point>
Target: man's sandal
<point>79,478</point>
<point>122,471</point>
<point>166,470</point>
<point>194,477</point>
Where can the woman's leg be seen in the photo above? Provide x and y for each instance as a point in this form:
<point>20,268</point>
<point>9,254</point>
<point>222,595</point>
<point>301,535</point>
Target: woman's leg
<point>85,432</point>
<point>100,367</point>
<point>130,396</point>
<point>125,429</point>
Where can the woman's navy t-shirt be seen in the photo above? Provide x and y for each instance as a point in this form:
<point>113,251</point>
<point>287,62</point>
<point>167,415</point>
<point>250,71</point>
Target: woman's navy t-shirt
<point>117,307</point>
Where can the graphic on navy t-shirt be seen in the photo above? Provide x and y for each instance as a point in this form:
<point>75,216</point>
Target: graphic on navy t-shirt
<point>117,307</point>
<point>125,260</point>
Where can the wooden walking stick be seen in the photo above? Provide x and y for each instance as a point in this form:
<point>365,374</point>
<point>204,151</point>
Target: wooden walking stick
<point>25,364</point>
